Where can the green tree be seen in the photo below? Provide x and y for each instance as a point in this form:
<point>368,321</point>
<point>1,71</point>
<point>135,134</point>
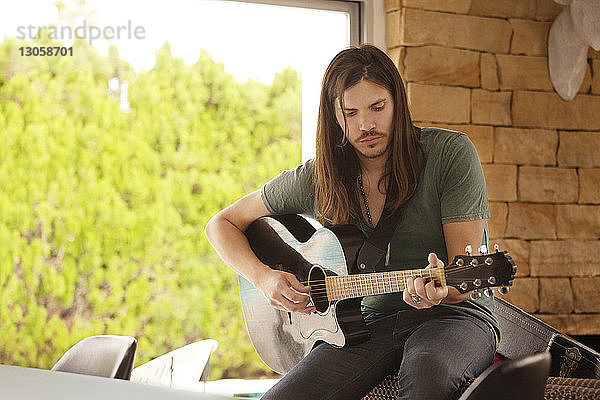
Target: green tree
<point>103,210</point>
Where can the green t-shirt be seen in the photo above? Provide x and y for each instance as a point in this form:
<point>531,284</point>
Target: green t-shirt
<point>451,189</point>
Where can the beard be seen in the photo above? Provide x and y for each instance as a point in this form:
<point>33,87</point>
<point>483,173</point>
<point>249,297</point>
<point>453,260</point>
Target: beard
<point>374,153</point>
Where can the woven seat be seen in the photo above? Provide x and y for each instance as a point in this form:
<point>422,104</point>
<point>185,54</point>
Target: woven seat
<point>556,389</point>
<point>572,389</point>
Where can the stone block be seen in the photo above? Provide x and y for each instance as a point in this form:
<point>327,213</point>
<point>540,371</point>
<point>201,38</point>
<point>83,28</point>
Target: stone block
<point>547,10</point>
<point>524,294</point>
<point>556,295</point>
<point>585,293</point>
<point>501,181</point>
<point>397,56</point>
<point>393,33</point>
<point>434,64</point>
<point>481,136</point>
<point>525,146</point>
<point>392,5</point>
<point>564,258</point>
<point>548,110</point>
<point>529,72</point>
<point>578,221</point>
<point>490,107</point>
<point>518,250</point>
<point>589,186</point>
<point>439,103</point>
<point>531,221</point>
<point>497,223</point>
<point>529,37</point>
<point>579,149</point>
<point>586,85</point>
<point>524,72</point>
<point>573,324</point>
<point>455,30</point>
<point>504,8</point>
<point>548,185</point>
<point>489,72</point>
<point>454,6</point>
<point>596,80</point>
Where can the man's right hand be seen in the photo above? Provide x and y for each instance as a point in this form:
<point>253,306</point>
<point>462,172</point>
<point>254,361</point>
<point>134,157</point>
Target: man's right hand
<point>285,292</point>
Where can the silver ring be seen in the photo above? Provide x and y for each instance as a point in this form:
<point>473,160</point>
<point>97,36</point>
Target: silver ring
<point>416,299</point>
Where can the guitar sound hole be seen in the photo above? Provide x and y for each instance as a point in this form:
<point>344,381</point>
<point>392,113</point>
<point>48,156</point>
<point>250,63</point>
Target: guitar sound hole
<point>318,294</point>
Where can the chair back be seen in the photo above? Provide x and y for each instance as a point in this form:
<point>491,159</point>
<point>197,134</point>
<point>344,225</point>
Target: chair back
<point>109,356</point>
<point>181,368</point>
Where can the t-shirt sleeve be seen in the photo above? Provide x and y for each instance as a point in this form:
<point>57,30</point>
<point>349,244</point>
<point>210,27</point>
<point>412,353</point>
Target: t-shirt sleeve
<point>463,193</point>
<point>291,192</point>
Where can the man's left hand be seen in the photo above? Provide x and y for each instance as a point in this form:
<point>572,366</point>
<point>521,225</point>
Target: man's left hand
<point>419,294</point>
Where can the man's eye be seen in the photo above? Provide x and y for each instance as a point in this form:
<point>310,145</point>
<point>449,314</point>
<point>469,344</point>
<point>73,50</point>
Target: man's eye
<point>378,108</point>
<point>350,113</point>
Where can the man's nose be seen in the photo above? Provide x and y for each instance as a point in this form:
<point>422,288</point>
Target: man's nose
<point>366,123</point>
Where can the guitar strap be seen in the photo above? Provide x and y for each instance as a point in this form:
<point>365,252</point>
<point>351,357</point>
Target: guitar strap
<point>371,254</point>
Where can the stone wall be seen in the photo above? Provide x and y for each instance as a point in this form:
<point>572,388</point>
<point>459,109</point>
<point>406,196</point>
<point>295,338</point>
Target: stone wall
<point>481,67</point>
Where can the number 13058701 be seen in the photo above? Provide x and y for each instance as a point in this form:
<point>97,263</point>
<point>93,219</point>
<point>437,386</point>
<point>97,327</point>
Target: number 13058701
<point>46,51</point>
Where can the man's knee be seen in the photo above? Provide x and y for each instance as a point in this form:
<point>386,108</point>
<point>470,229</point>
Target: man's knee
<point>428,376</point>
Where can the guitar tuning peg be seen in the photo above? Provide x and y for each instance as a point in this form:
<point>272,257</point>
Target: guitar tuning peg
<point>496,247</point>
<point>468,249</point>
<point>488,292</point>
<point>503,289</point>
<point>483,249</point>
<point>475,295</point>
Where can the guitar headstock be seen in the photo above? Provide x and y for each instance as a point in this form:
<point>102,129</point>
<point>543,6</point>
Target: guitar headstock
<point>481,273</point>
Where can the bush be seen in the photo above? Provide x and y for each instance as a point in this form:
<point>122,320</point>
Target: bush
<point>103,210</point>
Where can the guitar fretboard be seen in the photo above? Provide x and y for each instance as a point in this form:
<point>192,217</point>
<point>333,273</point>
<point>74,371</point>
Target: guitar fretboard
<point>360,285</point>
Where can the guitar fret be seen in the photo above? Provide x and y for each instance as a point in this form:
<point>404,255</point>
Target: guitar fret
<point>361,285</point>
<point>335,289</point>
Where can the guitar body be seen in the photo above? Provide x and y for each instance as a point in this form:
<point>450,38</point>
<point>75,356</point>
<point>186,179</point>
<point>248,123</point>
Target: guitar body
<point>321,258</point>
<point>291,244</point>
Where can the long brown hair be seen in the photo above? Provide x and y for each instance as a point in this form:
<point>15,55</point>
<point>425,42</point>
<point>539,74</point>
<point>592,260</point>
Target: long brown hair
<point>336,164</point>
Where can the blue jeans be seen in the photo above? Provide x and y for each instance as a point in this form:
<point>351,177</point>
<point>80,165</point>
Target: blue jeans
<point>435,351</point>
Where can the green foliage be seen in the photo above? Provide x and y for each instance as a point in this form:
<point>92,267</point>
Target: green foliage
<point>103,211</point>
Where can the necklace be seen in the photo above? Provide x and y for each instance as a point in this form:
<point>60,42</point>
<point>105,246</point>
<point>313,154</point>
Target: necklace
<point>364,196</point>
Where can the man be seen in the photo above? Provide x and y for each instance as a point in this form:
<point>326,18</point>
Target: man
<point>369,157</point>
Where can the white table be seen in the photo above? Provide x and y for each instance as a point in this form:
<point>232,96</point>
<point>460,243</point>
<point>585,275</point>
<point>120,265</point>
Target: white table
<point>19,383</point>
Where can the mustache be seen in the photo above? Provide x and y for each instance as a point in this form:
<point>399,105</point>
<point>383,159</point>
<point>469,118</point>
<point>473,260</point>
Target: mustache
<point>370,133</point>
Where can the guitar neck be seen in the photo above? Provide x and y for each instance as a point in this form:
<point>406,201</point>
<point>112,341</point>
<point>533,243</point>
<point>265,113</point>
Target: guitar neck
<point>361,285</point>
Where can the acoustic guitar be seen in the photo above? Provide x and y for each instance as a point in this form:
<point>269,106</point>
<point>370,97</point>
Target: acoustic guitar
<point>320,258</point>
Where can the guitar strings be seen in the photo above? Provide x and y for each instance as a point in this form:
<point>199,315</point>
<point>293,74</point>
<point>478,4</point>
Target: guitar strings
<point>449,270</point>
<point>356,287</point>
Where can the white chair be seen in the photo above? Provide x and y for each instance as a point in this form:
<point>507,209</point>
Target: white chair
<point>109,356</point>
<point>181,368</point>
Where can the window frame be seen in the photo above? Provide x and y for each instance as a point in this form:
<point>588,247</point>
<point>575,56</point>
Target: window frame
<point>367,25</point>
<point>367,17</point>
